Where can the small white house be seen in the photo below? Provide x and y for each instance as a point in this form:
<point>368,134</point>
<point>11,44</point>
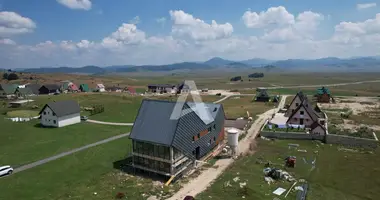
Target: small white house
<point>60,113</point>
<point>100,87</point>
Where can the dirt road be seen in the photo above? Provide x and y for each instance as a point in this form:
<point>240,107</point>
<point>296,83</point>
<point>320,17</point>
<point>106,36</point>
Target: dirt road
<point>204,180</point>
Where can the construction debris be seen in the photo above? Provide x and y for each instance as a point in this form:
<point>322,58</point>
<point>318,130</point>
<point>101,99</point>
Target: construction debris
<point>279,191</point>
<point>293,145</point>
<point>302,150</point>
<point>268,179</point>
<point>290,161</point>
<point>277,174</point>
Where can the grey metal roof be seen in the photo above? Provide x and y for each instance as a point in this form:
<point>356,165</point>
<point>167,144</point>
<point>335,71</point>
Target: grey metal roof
<point>34,87</point>
<point>63,108</point>
<point>154,124</point>
<point>52,86</point>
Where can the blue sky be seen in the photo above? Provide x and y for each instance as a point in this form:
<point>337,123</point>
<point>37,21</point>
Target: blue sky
<point>65,32</point>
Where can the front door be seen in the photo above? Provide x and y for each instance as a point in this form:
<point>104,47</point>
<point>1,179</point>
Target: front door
<point>301,121</point>
<point>198,153</point>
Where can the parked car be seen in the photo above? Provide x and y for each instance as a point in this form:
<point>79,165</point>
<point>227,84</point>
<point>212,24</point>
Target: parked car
<point>83,118</point>
<point>6,170</point>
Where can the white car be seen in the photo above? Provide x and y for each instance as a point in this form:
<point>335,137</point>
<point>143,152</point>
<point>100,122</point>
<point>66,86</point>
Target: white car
<point>6,170</point>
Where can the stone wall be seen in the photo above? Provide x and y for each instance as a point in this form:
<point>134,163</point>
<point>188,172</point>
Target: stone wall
<point>291,135</point>
<point>351,141</point>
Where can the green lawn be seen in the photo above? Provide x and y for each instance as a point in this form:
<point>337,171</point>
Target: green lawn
<point>76,176</point>
<point>23,142</point>
<point>335,176</point>
<point>117,107</point>
<point>23,113</point>
<point>238,107</point>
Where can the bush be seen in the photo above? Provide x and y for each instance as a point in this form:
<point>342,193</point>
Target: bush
<point>120,195</point>
<point>12,76</point>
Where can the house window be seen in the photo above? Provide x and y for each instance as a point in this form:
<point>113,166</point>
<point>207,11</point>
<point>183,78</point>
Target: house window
<point>307,120</point>
<point>214,126</point>
<point>297,104</point>
<point>199,135</point>
<point>214,139</point>
<point>209,129</point>
<point>54,121</point>
<point>193,138</point>
<point>292,110</point>
<point>302,112</point>
<point>53,114</point>
<point>44,112</point>
<point>209,142</point>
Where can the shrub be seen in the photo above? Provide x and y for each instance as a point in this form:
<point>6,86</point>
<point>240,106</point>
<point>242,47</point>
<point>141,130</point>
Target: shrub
<point>120,195</point>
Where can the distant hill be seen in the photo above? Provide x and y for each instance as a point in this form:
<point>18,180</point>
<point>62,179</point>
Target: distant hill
<point>360,64</point>
<point>237,65</point>
<point>170,67</point>
<point>256,62</point>
<point>217,61</point>
<point>68,70</point>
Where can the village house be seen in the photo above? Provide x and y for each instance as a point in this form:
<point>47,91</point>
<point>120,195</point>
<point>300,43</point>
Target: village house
<point>301,112</point>
<point>162,88</point>
<point>166,145</point>
<point>100,87</point>
<point>262,95</point>
<point>49,89</point>
<point>114,89</point>
<point>35,88</point>
<point>7,90</point>
<point>60,113</point>
<point>84,88</point>
<point>23,92</point>
<point>323,95</point>
<point>183,88</point>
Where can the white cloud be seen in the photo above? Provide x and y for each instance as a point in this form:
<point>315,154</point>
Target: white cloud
<point>277,16</point>
<point>12,23</point>
<point>135,20</point>
<point>281,26</point>
<point>365,6</point>
<point>186,25</point>
<point>7,41</point>
<point>76,4</point>
<point>125,34</point>
<point>128,44</point>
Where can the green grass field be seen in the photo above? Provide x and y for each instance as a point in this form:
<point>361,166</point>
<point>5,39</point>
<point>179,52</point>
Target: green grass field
<point>23,113</point>
<point>238,107</point>
<point>77,176</point>
<point>335,176</point>
<point>23,142</point>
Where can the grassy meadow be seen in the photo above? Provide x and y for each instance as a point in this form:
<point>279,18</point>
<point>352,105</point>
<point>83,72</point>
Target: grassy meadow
<point>334,177</point>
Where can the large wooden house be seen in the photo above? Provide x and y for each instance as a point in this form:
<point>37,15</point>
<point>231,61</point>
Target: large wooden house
<point>166,145</point>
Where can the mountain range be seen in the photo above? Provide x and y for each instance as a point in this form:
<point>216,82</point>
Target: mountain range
<point>333,64</point>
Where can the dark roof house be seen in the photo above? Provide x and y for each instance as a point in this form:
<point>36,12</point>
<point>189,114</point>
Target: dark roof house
<point>7,89</point>
<point>190,129</point>
<point>49,88</point>
<point>34,87</point>
<point>63,108</point>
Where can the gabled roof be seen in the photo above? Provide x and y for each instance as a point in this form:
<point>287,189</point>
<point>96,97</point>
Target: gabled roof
<point>323,90</point>
<point>51,86</point>
<point>99,85</point>
<point>300,95</point>
<point>154,122</point>
<point>24,91</point>
<point>308,110</point>
<point>262,93</point>
<point>84,87</point>
<point>7,88</point>
<point>63,108</point>
<point>34,87</point>
<point>183,86</point>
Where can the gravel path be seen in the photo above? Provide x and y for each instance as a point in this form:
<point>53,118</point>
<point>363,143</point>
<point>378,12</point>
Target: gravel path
<point>206,177</point>
<point>43,161</point>
<point>109,123</point>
